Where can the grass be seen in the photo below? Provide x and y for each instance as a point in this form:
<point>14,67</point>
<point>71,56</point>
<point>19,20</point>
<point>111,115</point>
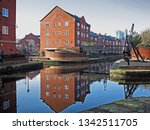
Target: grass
<point>118,71</point>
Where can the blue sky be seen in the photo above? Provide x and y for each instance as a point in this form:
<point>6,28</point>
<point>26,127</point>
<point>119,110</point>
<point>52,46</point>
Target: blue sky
<point>105,16</point>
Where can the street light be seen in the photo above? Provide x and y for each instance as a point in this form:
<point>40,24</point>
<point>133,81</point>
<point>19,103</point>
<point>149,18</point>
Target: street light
<point>27,50</point>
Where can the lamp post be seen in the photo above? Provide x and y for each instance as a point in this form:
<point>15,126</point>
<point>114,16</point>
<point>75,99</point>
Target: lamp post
<point>27,50</point>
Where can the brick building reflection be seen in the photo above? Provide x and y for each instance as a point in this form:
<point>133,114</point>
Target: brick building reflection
<point>60,90</point>
<point>8,100</point>
<point>7,96</point>
<point>62,86</point>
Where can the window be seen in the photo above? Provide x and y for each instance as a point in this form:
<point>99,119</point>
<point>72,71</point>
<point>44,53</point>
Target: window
<point>47,25</point>
<point>59,33</point>
<point>66,78</point>
<point>54,95</point>
<point>87,35</point>
<point>66,33</point>
<point>81,25</point>
<point>66,96</point>
<point>82,35</point>
<point>5,30</point>
<point>6,104</point>
<point>54,86</point>
<point>5,12</point>
<point>78,42</point>
<point>47,34</point>
<point>66,42</point>
<point>78,78</point>
<point>87,28</point>
<point>66,87</point>
<point>59,24</point>
<point>47,94</point>
<point>78,33</point>
<point>54,24</point>
<point>47,42</point>
<point>47,86</point>
<point>54,33</point>
<point>47,77</point>
<point>66,23</point>
<point>78,24</point>
<point>59,95</point>
<point>59,42</point>
<point>54,42</point>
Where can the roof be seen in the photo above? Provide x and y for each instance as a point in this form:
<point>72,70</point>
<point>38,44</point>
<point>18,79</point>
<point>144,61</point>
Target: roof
<point>106,37</point>
<point>38,36</point>
<point>74,16</point>
<point>93,34</point>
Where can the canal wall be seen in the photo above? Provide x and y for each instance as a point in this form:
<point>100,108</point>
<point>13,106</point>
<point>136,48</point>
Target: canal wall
<point>48,62</point>
<point>12,68</point>
<point>38,63</point>
<point>136,70</point>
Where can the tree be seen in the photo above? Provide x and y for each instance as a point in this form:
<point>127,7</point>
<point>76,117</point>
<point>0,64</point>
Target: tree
<point>136,39</point>
<point>145,38</point>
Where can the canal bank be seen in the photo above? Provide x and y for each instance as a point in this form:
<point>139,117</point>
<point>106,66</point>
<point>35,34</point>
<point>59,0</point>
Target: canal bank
<point>39,62</point>
<point>12,68</point>
<point>47,62</point>
<point>136,70</point>
<point>131,105</point>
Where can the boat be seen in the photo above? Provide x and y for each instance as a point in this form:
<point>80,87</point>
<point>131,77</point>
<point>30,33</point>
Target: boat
<point>56,54</point>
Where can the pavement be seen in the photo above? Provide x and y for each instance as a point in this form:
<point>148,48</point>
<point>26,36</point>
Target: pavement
<point>133,105</point>
<point>134,63</point>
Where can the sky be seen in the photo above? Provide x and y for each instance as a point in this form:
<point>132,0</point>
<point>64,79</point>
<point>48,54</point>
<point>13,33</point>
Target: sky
<point>104,16</point>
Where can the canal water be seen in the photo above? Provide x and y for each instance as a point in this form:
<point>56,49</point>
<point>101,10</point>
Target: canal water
<point>65,89</point>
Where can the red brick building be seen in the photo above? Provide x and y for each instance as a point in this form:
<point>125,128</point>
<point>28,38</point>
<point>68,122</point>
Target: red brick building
<point>30,44</point>
<point>8,27</point>
<point>62,29</point>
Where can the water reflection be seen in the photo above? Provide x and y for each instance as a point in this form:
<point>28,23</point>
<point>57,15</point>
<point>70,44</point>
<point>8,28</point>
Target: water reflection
<point>8,93</point>
<point>30,76</point>
<point>65,89</point>
<point>60,90</point>
<point>129,90</point>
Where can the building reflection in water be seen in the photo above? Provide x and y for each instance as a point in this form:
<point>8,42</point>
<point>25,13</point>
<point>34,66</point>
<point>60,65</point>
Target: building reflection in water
<point>8,100</point>
<point>7,96</point>
<point>59,89</point>
<point>62,90</point>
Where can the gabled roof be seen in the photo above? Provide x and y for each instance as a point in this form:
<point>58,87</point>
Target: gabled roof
<point>74,16</point>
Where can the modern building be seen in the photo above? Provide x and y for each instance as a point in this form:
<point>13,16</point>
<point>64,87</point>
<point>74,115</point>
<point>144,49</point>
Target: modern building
<point>120,35</point>
<point>8,27</point>
<point>30,44</point>
<point>61,29</point>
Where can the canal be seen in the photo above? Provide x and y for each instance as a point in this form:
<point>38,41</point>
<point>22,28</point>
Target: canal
<point>65,89</point>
